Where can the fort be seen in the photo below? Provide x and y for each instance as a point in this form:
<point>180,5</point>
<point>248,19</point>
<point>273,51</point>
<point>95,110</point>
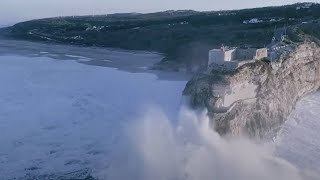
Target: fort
<point>231,58</point>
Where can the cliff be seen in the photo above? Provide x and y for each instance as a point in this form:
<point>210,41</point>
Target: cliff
<point>256,99</point>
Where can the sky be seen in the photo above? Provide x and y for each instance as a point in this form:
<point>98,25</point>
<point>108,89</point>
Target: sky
<point>12,11</point>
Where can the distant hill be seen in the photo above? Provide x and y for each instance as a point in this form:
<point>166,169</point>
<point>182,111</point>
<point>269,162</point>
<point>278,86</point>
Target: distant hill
<point>183,36</point>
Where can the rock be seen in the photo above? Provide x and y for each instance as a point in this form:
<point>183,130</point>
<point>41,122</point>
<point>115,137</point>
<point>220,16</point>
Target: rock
<point>256,99</point>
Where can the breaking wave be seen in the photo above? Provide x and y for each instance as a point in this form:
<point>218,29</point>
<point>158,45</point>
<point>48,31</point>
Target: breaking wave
<point>189,150</point>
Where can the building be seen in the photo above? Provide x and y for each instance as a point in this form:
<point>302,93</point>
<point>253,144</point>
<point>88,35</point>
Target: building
<point>232,58</point>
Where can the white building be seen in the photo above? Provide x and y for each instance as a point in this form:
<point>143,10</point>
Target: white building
<point>232,58</point>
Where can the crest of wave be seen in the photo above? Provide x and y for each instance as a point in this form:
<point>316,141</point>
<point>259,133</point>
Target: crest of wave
<point>188,149</point>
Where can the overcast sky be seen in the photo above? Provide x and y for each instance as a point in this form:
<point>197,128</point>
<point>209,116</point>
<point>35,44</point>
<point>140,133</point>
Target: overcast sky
<point>18,10</point>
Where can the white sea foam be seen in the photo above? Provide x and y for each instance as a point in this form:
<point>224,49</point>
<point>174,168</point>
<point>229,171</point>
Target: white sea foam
<point>61,116</point>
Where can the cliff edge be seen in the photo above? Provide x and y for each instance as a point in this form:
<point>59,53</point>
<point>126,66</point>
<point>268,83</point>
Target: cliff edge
<point>256,99</point>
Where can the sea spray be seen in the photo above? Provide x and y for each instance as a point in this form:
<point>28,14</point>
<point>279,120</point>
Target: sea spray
<point>156,149</point>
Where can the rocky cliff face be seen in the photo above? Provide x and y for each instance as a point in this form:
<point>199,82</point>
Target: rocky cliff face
<point>256,99</point>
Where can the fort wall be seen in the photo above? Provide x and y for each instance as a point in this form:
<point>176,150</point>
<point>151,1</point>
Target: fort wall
<point>230,55</point>
<point>261,53</point>
<point>216,57</point>
<point>245,54</point>
<point>228,60</point>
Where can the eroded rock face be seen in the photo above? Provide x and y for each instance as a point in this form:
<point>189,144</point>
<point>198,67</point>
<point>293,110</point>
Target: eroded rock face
<point>256,99</point>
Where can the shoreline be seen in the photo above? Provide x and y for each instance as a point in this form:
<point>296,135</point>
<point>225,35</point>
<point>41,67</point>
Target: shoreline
<point>123,60</point>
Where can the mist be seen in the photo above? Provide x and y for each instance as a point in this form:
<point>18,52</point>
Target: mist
<point>190,150</point>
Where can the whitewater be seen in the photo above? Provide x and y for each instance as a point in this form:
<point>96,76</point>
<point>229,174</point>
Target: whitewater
<point>63,119</point>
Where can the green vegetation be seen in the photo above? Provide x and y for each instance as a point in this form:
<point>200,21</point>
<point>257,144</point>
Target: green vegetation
<point>183,36</point>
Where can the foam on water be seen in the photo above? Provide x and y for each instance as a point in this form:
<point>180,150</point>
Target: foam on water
<point>62,116</point>
<point>58,117</point>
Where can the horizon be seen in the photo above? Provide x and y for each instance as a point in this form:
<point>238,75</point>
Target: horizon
<point>9,16</point>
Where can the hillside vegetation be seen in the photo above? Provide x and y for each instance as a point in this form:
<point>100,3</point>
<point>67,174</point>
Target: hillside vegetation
<point>184,37</point>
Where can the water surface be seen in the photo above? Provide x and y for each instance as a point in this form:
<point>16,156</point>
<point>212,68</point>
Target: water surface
<point>64,119</point>
<point>61,116</point>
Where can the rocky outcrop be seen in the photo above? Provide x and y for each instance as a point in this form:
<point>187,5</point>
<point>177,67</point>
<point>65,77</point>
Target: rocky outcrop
<point>256,99</point>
